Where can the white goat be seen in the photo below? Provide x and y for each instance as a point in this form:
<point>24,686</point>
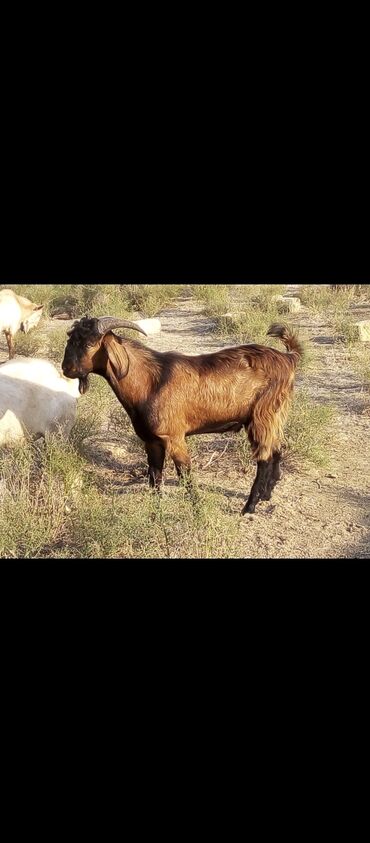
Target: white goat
<point>17,313</point>
<point>35,399</point>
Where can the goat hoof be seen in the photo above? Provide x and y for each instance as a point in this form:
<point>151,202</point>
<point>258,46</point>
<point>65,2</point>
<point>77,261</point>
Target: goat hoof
<point>249,509</point>
<point>266,496</point>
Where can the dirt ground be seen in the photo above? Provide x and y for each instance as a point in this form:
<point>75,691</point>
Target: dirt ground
<point>314,513</point>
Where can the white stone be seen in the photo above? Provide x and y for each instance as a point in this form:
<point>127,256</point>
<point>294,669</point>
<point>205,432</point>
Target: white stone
<point>363,329</point>
<point>150,326</point>
<point>289,305</point>
<point>233,319</point>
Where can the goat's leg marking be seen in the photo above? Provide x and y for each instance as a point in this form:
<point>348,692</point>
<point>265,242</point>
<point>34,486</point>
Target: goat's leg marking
<point>156,457</point>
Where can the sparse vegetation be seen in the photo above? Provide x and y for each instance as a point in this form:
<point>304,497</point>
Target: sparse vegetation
<point>78,300</point>
<point>344,329</point>
<point>326,301</point>
<point>43,343</point>
<point>308,432</point>
<point>359,356</point>
<point>246,318</point>
<point>149,299</point>
<point>50,490</point>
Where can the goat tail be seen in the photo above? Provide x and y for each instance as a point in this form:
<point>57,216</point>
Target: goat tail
<point>288,337</point>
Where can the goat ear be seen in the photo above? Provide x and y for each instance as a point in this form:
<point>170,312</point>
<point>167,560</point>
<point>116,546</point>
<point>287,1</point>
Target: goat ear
<point>118,356</point>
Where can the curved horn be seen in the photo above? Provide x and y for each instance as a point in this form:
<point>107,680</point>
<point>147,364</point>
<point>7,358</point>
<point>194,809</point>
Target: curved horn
<point>108,323</point>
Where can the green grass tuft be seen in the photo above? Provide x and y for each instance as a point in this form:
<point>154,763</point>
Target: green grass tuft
<point>243,314</point>
<point>308,431</point>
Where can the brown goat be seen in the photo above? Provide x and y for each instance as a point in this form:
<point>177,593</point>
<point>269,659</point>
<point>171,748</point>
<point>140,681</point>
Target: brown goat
<point>170,396</point>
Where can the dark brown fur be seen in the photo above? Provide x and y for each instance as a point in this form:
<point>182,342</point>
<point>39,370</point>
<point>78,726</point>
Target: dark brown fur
<point>170,396</point>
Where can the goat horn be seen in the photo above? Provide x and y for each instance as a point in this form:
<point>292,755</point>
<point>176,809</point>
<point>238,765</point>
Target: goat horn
<point>107,323</point>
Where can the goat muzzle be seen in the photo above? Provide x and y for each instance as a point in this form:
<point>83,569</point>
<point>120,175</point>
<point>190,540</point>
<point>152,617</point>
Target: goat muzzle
<point>108,323</point>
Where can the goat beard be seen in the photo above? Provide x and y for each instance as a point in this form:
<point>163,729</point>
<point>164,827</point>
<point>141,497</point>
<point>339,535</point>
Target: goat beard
<point>83,385</point>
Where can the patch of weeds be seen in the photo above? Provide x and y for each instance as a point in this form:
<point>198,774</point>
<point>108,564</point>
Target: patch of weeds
<point>308,431</point>
<point>216,297</point>
<point>360,360</point>
<point>42,343</point>
<point>33,499</point>
<point>51,507</point>
<point>62,461</point>
<point>326,300</point>
<point>198,524</point>
<point>345,330</point>
<point>150,299</point>
<point>245,318</point>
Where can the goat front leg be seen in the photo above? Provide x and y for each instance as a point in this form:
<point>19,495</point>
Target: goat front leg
<point>10,343</point>
<point>156,457</point>
<point>181,458</point>
<point>259,486</point>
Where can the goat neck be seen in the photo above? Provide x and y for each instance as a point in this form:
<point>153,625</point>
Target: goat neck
<point>134,380</point>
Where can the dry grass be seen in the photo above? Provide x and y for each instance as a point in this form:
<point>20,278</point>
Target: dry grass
<point>98,299</point>
<point>325,300</point>
<point>51,507</point>
<point>339,308</point>
<point>150,299</point>
<point>245,317</point>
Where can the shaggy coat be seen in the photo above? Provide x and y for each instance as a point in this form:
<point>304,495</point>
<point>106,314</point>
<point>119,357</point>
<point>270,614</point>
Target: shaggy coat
<point>170,396</point>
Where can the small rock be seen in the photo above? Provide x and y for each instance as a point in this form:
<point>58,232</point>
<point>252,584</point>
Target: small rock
<point>150,326</point>
<point>289,305</point>
<point>62,316</point>
<point>363,330</point>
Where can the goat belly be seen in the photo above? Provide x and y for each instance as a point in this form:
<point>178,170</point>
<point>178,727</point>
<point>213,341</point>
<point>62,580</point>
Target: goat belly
<point>218,427</point>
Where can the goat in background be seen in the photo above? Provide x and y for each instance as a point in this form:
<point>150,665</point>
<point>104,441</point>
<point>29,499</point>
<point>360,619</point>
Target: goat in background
<point>170,396</point>
<point>17,313</point>
<point>35,399</point>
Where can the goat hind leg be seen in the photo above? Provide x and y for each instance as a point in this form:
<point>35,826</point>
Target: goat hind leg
<point>274,477</point>
<point>259,486</point>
